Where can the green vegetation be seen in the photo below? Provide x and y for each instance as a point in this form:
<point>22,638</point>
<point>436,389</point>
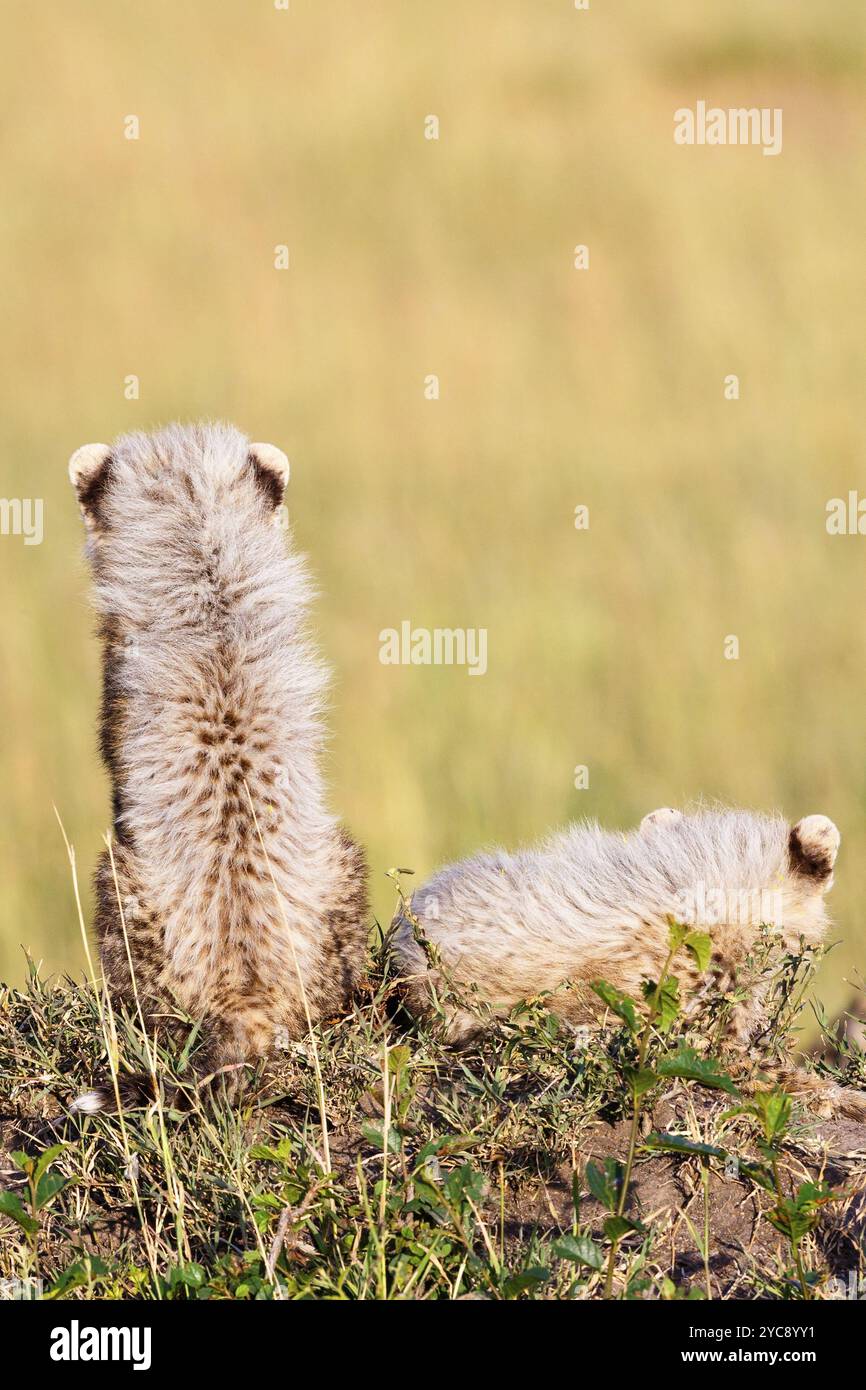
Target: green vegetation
<point>537,1164</point>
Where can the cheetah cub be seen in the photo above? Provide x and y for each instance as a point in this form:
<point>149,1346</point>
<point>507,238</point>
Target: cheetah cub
<point>588,904</point>
<point>236,889</point>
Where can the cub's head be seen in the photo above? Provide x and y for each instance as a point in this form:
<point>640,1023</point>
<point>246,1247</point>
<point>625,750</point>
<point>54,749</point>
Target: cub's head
<point>182,527</point>
<point>176,480</point>
<point>742,869</point>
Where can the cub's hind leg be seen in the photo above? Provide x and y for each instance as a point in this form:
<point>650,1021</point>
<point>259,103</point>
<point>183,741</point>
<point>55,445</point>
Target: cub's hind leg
<point>127,930</point>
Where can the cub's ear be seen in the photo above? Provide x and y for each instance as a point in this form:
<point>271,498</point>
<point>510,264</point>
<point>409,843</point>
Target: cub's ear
<point>665,815</point>
<point>812,848</point>
<point>88,474</point>
<point>270,468</point>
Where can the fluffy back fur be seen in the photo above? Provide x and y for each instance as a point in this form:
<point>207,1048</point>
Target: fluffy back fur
<point>588,904</point>
<point>212,687</point>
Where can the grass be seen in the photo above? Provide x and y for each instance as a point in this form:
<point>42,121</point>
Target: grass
<point>371,1162</point>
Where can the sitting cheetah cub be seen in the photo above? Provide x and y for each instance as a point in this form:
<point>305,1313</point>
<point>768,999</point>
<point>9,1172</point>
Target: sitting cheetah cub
<point>590,905</point>
<point>211,710</point>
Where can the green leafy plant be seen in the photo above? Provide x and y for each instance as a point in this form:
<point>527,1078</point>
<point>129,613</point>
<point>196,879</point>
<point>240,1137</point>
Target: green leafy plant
<point>446,1167</point>
<point>793,1216</point>
<point>42,1186</point>
<point>661,999</point>
<point>796,1215</point>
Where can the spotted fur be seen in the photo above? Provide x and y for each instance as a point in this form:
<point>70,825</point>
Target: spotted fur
<point>590,905</point>
<point>212,721</point>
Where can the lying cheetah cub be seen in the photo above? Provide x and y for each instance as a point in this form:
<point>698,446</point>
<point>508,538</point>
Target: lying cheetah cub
<point>588,904</point>
<point>236,889</point>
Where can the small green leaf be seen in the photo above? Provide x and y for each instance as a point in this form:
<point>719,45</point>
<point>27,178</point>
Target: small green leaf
<point>83,1271</point>
<point>375,1134</point>
<point>639,1082</point>
<point>581,1250</point>
<point>773,1108</point>
<point>45,1158</point>
<point>618,1002</point>
<point>399,1057</point>
<point>265,1151</point>
<point>677,933</point>
<point>688,1065</point>
<point>664,1001</point>
<point>465,1182</point>
<point>527,1279</point>
<point>430,1150</point>
<point>732,1112</point>
<point>49,1186</point>
<point>760,1176</point>
<point>637,1287</point>
<point>700,946</point>
<point>11,1206</point>
<point>615,1227</point>
<point>812,1195</point>
<point>605,1184</point>
<point>190,1274</point>
<point>792,1222</point>
<point>679,1144</point>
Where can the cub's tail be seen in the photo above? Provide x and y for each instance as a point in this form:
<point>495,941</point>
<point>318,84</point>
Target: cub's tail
<point>827,1097</point>
<point>135,1090</point>
<point>131,1092</point>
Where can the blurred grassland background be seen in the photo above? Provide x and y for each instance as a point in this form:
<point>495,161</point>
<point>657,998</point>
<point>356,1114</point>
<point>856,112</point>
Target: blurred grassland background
<point>558,387</point>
